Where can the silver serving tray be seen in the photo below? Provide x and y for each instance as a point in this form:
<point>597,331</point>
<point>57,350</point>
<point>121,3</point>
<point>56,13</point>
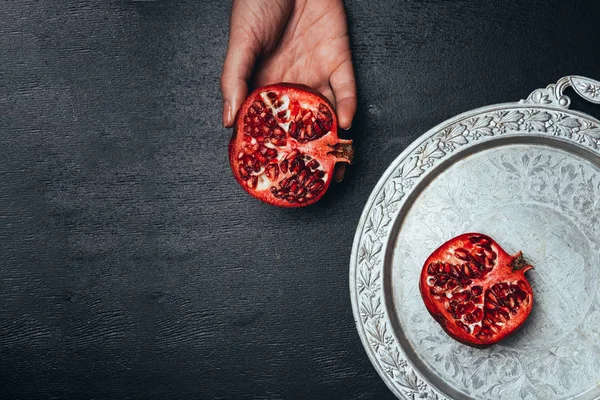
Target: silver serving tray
<point>528,175</point>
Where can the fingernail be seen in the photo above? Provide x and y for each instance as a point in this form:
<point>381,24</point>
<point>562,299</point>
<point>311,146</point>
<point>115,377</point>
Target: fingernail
<point>348,128</point>
<point>226,114</point>
<point>338,180</point>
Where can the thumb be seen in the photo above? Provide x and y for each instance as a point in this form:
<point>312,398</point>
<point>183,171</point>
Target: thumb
<point>242,51</point>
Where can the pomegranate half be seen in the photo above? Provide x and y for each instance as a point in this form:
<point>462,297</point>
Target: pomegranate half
<point>476,291</point>
<point>285,145</point>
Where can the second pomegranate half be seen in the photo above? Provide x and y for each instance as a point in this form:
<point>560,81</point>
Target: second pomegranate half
<point>285,145</point>
<point>476,291</point>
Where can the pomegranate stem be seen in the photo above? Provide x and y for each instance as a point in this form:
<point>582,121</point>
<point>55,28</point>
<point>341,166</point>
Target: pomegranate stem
<point>519,263</point>
<point>343,151</point>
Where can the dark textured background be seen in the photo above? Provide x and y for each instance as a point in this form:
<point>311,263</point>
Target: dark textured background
<point>131,263</point>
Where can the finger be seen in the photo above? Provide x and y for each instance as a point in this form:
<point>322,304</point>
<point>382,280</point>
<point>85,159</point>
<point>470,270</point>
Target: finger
<point>242,51</point>
<point>343,84</point>
<point>340,170</point>
<point>326,91</point>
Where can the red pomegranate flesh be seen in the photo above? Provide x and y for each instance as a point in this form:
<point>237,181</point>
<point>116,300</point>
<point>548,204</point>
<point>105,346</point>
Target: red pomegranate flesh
<point>285,145</point>
<point>476,291</point>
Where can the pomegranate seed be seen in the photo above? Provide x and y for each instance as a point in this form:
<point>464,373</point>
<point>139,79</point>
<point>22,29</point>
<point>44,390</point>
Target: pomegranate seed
<point>301,134</point>
<point>313,164</point>
<point>490,255</point>
<point>297,165</point>
<point>431,269</point>
<point>455,272</point>
<point>302,176</point>
<point>301,191</point>
<point>271,153</point>
<point>463,296</point>
<point>484,242</point>
<point>309,132</point>
<point>282,114</point>
<point>292,154</point>
<point>272,172</point>
<point>476,290</point>
<point>301,200</point>
<point>320,174</point>
<point>243,172</point>
<point>467,270</point>
<point>278,141</point>
<point>290,199</point>
<point>293,129</point>
<point>252,182</point>
<point>270,121</point>
<point>262,160</point>
<point>310,180</point>
<point>512,303</point>
<point>271,95</point>
<point>447,268</point>
<point>284,166</point>
<point>317,186</point>
<point>520,296</point>
<point>318,128</point>
<point>464,326</point>
<point>323,109</point>
<point>462,254</point>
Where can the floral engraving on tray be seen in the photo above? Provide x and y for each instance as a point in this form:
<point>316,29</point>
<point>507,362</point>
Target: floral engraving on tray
<point>587,88</point>
<point>518,120</point>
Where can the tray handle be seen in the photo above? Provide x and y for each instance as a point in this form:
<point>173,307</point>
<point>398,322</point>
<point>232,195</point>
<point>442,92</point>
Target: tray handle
<point>587,88</point>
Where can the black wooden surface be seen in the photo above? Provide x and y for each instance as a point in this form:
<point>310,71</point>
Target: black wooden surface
<point>131,263</point>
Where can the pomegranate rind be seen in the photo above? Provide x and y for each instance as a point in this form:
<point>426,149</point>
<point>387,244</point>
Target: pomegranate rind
<point>505,267</point>
<point>320,149</point>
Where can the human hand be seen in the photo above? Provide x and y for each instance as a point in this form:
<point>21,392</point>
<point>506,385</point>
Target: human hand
<point>298,41</point>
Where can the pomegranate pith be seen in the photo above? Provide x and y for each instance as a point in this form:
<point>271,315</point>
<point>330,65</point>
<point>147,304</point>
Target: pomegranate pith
<point>476,291</point>
<point>285,145</point>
